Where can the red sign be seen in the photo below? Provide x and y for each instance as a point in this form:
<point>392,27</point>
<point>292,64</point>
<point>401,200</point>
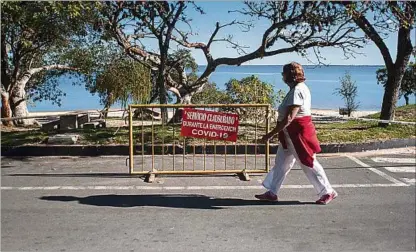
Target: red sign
<point>209,125</point>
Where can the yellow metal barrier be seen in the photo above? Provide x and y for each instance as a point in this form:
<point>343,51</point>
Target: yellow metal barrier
<point>169,144</point>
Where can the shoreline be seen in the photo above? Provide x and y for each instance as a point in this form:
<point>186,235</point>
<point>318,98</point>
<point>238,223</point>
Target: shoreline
<point>335,112</point>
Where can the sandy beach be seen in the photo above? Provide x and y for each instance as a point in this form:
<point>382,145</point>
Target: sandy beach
<point>335,112</point>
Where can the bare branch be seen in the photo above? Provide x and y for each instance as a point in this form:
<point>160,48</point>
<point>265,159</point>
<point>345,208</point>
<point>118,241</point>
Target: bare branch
<point>172,24</point>
<point>234,45</point>
<point>145,57</point>
<point>176,92</point>
<point>217,28</point>
<point>170,81</point>
<point>183,41</point>
<point>273,27</point>
<point>50,67</point>
<point>137,36</point>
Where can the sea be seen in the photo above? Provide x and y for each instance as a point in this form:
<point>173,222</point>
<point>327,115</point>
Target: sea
<point>322,82</point>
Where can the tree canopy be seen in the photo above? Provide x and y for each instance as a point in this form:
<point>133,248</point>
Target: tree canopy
<point>123,81</point>
<point>39,42</point>
<point>300,25</point>
<point>408,85</point>
<point>378,19</point>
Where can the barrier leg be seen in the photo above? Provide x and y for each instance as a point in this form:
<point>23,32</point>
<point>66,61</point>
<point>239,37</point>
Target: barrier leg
<point>244,176</point>
<point>151,176</point>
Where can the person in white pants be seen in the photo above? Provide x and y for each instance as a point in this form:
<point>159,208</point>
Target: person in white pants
<point>298,141</point>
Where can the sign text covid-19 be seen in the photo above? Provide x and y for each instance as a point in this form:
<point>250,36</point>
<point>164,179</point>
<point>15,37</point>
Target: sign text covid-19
<point>209,125</point>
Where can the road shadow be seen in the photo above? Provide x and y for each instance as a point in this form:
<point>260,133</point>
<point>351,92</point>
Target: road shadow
<point>17,158</point>
<point>7,166</point>
<point>77,175</point>
<point>169,200</point>
<point>122,175</point>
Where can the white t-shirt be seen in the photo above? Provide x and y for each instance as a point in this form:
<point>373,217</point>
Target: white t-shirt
<point>298,95</point>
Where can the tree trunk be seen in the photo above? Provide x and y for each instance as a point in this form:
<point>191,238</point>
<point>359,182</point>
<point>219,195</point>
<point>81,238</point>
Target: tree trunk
<point>391,94</point>
<point>406,98</point>
<point>6,111</point>
<point>105,111</point>
<point>395,72</point>
<point>162,91</point>
<point>183,99</point>
<point>184,96</point>
<point>19,105</point>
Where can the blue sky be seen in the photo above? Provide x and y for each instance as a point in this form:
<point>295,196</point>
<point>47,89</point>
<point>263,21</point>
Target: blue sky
<point>218,11</point>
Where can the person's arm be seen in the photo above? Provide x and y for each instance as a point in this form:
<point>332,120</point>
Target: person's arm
<point>290,115</point>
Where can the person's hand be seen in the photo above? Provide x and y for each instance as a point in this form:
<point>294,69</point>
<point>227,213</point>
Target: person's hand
<point>264,139</point>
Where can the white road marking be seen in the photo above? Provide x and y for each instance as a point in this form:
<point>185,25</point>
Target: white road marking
<point>401,169</point>
<point>382,174</point>
<point>52,188</point>
<point>173,188</point>
<point>394,160</point>
<point>409,181</point>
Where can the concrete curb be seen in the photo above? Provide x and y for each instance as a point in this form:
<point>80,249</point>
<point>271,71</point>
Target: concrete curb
<point>123,150</point>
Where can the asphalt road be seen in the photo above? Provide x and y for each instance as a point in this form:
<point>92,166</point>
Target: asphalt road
<point>91,204</point>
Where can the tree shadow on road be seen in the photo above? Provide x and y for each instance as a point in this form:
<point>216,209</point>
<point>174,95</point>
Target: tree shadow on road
<point>170,200</point>
<point>78,175</point>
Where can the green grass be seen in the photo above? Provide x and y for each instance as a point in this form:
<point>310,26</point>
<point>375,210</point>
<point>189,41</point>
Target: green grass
<point>17,138</point>
<point>343,132</point>
<point>405,113</point>
<point>358,131</point>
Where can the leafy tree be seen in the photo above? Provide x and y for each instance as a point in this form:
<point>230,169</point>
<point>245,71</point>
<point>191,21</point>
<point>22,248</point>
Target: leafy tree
<point>376,19</point>
<point>281,94</point>
<point>211,94</point>
<point>45,85</point>
<point>250,90</point>
<point>348,91</point>
<point>408,85</point>
<point>39,42</point>
<point>123,81</point>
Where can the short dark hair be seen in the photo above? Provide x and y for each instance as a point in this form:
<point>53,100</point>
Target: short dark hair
<point>294,72</point>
